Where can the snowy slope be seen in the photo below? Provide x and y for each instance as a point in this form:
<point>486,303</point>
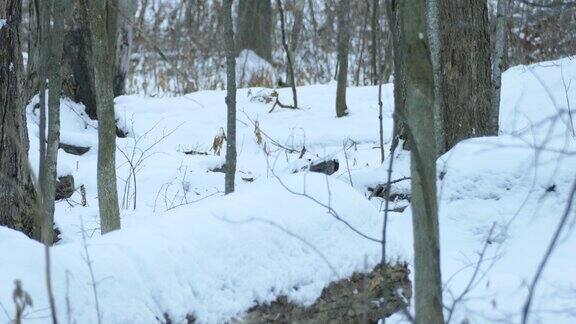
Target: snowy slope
<point>188,249</point>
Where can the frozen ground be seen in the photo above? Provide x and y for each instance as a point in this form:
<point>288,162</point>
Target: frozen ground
<point>187,249</point>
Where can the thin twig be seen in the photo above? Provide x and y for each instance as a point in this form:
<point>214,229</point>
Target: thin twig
<point>472,280</point>
<point>294,235</point>
<point>551,247</point>
<point>330,210</point>
<point>93,284</point>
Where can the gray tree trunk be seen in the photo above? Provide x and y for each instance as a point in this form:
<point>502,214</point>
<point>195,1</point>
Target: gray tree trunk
<point>18,198</point>
<point>255,27</point>
<point>433,18</point>
<point>298,11</point>
<point>43,24</point>
<point>102,26</point>
<point>420,110</point>
<point>343,48</point>
<point>290,67</point>
<point>230,98</point>
<point>79,84</point>
<point>375,35</point>
<point>466,72</point>
<point>394,21</point>
<point>58,14</point>
<point>32,68</point>
<point>499,58</point>
<point>124,45</point>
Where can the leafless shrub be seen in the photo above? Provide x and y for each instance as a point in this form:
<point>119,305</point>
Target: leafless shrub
<point>135,157</point>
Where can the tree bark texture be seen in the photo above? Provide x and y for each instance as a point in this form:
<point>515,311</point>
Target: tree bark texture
<point>79,83</point>
<point>343,48</point>
<point>79,78</point>
<point>100,23</point>
<point>290,67</point>
<point>375,36</point>
<point>230,98</point>
<point>57,13</point>
<point>18,198</point>
<point>433,18</point>
<point>420,110</point>
<point>466,77</point>
<point>124,44</point>
<point>394,20</point>
<point>255,27</point>
<point>498,62</point>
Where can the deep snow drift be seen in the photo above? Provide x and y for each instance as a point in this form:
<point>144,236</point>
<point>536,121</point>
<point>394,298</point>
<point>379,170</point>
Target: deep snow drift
<point>187,249</point>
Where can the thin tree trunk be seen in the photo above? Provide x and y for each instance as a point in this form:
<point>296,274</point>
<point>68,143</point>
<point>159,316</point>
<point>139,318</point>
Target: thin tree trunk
<point>360,61</point>
<point>101,43</point>
<point>498,63</point>
<point>230,98</point>
<point>43,26</point>
<point>375,37</point>
<point>124,44</point>
<point>18,198</point>
<point>394,21</point>
<point>381,121</point>
<point>58,14</point>
<point>298,10</point>
<point>420,108</point>
<point>466,72</point>
<point>343,48</point>
<point>32,68</point>
<point>288,55</point>
<point>433,15</point>
<point>376,70</point>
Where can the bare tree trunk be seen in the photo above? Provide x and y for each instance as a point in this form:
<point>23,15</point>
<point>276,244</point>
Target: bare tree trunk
<point>420,108</point>
<point>42,9</point>
<point>230,98</point>
<point>298,11</point>
<point>433,15</point>
<point>58,14</point>
<point>466,77</point>
<point>360,60</point>
<point>394,21</point>
<point>102,26</point>
<point>127,11</point>
<point>288,55</point>
<point>255,27</point>
<point>18,198</point>
<point>33,66</point>
<point>343,48</point>
<point>375,33</point>
<point>498,64</point>
<point>79,83</point>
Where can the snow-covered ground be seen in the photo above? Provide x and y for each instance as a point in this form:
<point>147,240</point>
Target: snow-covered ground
<point>188,249</point>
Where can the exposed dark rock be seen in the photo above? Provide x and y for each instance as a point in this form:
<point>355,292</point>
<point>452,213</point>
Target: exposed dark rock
<point>121,133</point>
<point>326,167</point>
<point>64,187</point>
<point>74,149</point>
<point>381,190</point>
<point>358,299</point>
<point>194,152</point>
<point>166,319</point>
